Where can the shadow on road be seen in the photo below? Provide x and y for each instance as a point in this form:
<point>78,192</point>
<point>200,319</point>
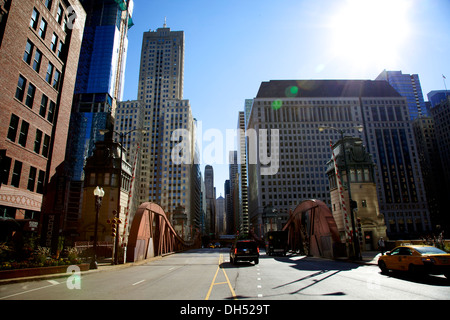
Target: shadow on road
<point>315,264</point>
<point>438,281</point>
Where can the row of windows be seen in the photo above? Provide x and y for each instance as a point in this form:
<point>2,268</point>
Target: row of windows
<point>41,140</point>
<point>47,107</point>
<point>52,76</point>
<point>36,177</point>
<point>60,17</point>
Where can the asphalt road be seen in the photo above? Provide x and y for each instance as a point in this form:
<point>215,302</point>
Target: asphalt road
<point>207,274</point>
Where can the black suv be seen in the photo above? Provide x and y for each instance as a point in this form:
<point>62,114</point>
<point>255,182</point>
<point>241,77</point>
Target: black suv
<point>244,250</point>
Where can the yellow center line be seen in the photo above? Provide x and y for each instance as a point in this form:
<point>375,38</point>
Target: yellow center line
<point>213,283</point>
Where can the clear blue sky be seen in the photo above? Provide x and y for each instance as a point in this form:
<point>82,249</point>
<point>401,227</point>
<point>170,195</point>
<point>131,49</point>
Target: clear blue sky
<point>231,46</point>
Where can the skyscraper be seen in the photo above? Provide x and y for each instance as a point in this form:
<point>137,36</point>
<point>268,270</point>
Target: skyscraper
<point>166,114</point>
<point>297,108</point>
<point>98,88</point>
<point>441,117</point>
<point>39,51</point>
<point>242,213</point>
<point>408,85</point>
<point>210,200</point>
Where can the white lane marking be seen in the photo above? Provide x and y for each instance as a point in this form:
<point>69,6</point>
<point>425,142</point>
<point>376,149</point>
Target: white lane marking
<point>53,283</point>
<point>134,284</point>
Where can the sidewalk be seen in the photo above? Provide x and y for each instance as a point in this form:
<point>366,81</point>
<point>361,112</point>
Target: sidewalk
<point>102,265</point>
<point>370,257</point>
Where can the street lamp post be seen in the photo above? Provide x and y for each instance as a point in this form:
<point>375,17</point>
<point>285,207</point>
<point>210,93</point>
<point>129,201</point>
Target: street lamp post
<point>356,247</point>
<point>98,193</point>
<point>119,180</point>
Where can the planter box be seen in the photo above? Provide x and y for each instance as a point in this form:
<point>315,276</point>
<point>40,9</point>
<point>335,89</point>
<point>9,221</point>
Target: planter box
<point>31,272</point>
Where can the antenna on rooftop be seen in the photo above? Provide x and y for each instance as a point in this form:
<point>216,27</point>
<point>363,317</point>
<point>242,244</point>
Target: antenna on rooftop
<point>165,22</point>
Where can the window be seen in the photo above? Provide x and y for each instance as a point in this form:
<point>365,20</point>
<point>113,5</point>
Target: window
<point>30,96</point>
<point>38,141</point>
<point>48,4</point>
<point>48,77</point>
<point>20,88</point>
<point>43,28</point>
<point>32,179</point>
<point>59,14</point>
<point>43,108</point>
<point>40,182</point>
<point>28,51</point>
<point>17,171</point>
<point>51,111</point>
<point>37,61</point>
<point>4,168</point>
<point>13,125</point>
<point>60,50</point>
<point>54,42</point>
<point>34,19</point>
<point>65,24</point>
<point>23,133</point>
<point>45,146</point>
<point>56,79</point>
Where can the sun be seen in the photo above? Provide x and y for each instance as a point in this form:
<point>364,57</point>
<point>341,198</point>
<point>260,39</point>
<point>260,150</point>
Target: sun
<point>370,33</point>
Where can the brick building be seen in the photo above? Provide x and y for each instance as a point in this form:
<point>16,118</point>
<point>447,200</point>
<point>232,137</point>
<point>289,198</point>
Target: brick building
<point>40,43</point>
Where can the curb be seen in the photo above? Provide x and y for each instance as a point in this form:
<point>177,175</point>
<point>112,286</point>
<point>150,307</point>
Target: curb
<point>101,268</point>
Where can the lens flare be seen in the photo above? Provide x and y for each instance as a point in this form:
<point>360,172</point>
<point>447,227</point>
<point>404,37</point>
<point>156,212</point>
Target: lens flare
<point>277,104</point>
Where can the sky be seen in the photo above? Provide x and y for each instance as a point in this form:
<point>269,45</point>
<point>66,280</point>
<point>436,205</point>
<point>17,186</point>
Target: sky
<point>232,46</point>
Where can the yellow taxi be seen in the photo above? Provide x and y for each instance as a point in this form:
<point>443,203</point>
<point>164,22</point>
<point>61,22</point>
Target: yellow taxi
<point>416,259</point>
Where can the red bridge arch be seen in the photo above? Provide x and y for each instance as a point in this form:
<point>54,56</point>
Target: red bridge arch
<point>313,231</point>
<point>152,234</point>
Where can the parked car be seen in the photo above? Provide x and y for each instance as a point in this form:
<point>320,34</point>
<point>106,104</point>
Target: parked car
<point>244,250</point>
<point>416,259</point>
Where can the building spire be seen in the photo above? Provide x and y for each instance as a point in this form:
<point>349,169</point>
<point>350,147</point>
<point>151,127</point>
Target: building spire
<point>165,22</point>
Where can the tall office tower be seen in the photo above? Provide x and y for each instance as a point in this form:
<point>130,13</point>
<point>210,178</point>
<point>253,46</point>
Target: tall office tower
<point>210,200</point>
<point>437,96</point>
<point>228,208</point>
<point>221,223</point>
<point>202,205</point>
<point>98,88</point>
<point>243,219</point>
<point>162,67</point>
<point>408,85</point>
<point>432,170</point>
<point>39,49</point>
<point>298,108</point>
<point>129,121</point>
<point>160,79</point>
<point>234,191</point>
<point>441,117</point>
<point>161,90</point>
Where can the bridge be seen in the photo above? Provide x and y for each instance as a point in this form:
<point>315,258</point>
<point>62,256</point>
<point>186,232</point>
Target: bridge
<point>152,234</point>
<point>312,230</point>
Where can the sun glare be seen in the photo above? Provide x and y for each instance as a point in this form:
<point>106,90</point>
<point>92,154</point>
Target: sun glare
<point>370,33</point>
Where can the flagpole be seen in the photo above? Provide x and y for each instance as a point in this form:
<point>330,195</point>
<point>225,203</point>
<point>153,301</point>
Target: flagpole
<point>445,85</point>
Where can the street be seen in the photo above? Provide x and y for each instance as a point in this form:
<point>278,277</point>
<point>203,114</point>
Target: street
<point>207,274</point>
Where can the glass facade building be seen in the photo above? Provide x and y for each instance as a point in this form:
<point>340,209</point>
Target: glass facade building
<point>99,87</point>
<point>408,85</point>
<point>100,75</point>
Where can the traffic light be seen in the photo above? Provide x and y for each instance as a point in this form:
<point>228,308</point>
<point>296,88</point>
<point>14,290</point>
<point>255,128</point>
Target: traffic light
<point>114,222</point>
<point>359,227</point>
